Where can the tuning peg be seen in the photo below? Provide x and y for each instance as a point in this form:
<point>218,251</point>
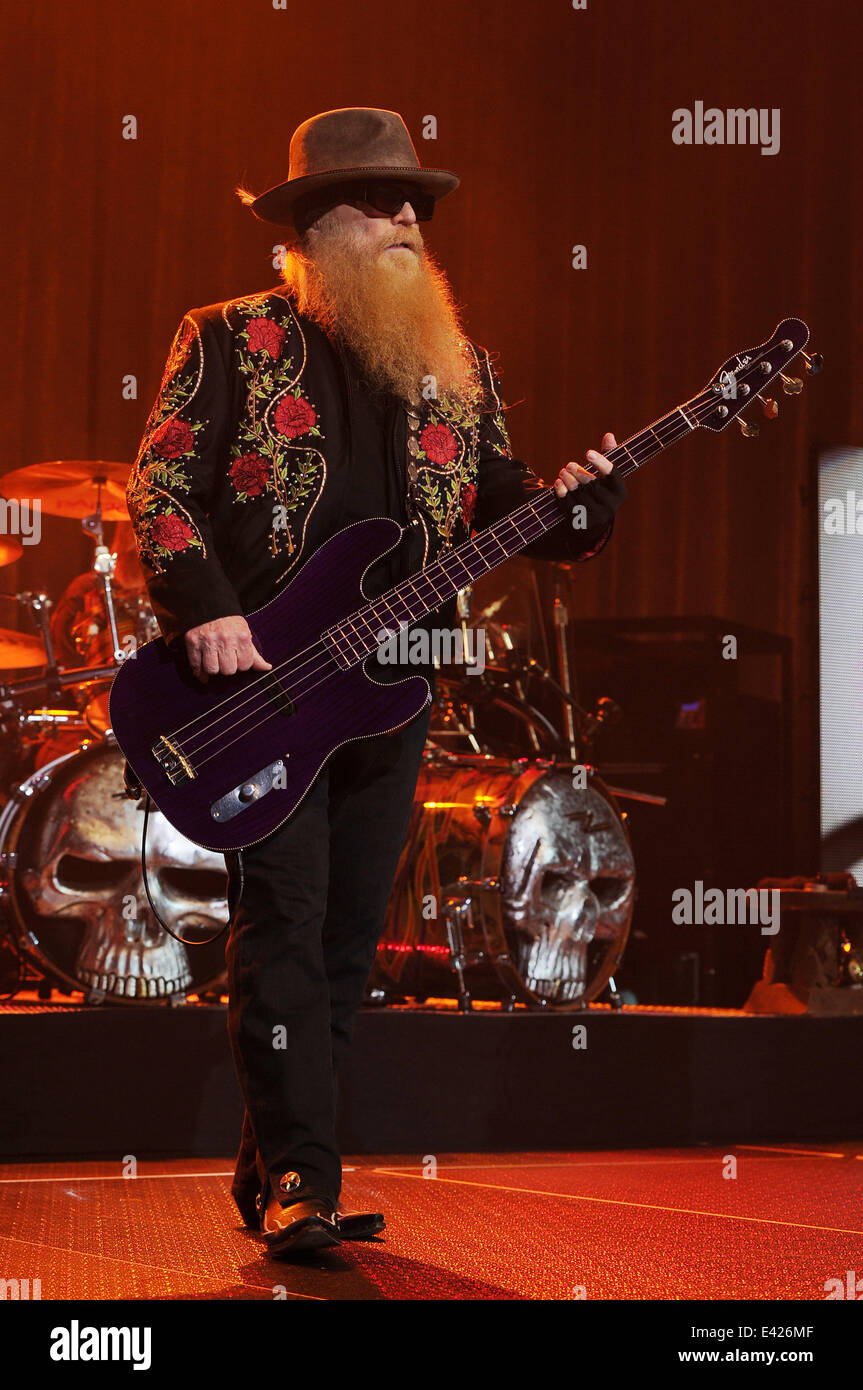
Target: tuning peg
<point>748,430</point>
<point>813,363</point>
<point>769,406</point>
<point>791,385</point>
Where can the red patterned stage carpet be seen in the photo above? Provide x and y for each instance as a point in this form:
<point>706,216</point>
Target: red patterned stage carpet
<point>641,1225</point>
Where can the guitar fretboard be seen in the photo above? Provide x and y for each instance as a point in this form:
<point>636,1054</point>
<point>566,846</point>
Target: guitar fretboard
<point>360,634</point>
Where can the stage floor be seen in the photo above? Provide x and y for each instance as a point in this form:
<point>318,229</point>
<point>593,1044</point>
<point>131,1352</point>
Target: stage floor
<point>625,1224</point>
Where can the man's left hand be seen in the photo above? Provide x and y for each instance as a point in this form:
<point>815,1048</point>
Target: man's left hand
<point>575,475</point>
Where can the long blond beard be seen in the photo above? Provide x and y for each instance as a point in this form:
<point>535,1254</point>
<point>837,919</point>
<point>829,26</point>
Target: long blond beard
<point>395,311</point>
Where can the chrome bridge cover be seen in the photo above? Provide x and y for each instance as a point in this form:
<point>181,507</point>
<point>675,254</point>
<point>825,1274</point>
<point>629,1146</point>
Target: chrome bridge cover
<point>233,802</point>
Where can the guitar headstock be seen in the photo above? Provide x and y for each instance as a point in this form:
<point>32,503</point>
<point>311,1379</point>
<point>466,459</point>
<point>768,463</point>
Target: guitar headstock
<point>745,378</point>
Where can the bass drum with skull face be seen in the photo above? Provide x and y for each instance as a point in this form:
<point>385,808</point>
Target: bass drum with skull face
<point>516,883</point>
<point>73,893</point>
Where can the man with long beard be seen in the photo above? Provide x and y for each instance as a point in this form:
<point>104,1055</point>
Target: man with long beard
<point>349,391</point>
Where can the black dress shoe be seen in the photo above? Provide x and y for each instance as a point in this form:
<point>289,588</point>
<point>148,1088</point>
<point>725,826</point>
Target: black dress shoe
<point>297,1219</point>
<point>360,1225</point>
<point>248,1203</point>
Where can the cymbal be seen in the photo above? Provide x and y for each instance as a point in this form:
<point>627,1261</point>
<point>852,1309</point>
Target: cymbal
<point>10,550</point>
<point>69,487</point>
<point>20,650</point>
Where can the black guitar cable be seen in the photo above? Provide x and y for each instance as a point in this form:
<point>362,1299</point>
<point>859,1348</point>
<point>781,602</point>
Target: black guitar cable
<point>162,923</point>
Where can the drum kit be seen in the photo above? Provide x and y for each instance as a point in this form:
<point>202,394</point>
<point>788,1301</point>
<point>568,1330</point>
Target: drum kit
<point>517,880</point>
<point>74,913</point>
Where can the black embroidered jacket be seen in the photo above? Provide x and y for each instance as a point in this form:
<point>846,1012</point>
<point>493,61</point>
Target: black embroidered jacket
<point>244,465</point>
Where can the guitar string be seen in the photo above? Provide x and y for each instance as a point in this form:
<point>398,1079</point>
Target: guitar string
<point>624,469</point>
<point>412,582</point>
<point>432,598</point>
<point>429,600</point>
<point>299,694</point>
<point>669,423</point>
<point>529,507</point>
<point>296,694</point>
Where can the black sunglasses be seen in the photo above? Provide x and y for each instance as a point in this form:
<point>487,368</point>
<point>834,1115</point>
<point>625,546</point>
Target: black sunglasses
<point>388,197</point>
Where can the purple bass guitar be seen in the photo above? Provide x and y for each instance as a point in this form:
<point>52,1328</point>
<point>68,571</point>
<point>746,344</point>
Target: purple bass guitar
<point>227,761</point>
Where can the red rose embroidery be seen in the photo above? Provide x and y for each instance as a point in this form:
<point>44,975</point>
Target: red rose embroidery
<point>172,532</point>
<point>249,474</point>
<point>173,439</point>
<point>266,336</point>
<point>294,415</point>
<point>468,502</point>
<point>439,444</point>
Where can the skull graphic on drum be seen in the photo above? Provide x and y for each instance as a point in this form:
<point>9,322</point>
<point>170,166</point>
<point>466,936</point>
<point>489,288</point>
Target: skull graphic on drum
<point>567,880</point>
<point>79,861</point>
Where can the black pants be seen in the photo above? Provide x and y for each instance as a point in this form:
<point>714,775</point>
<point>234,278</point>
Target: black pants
<point>307,913</point>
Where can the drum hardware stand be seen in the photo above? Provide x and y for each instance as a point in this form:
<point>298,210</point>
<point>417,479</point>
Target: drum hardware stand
<point>458,916</point>
<point>464,730</point>
<point>613,996</point>
<point>54,686</point>
<point>39,606</point>
<point>516,666</point>
<point>463,609</point>
<point>606,713</point>
<point>457,910</point>
<point>629,795</point>
<point>104,564</point>
<point>530,716</point>
<point>561,625</point>
<point>484,691</point>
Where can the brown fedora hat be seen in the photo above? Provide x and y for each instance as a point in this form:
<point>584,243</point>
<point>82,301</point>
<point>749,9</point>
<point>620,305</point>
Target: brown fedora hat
<point>353,142</point>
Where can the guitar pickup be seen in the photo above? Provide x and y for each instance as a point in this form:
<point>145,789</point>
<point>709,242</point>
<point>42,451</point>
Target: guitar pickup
<point>235,801</point>
<point>284,703</point>
<point>172,761</point>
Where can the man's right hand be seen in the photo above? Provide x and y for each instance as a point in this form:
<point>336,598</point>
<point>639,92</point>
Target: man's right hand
<point>223,647</point>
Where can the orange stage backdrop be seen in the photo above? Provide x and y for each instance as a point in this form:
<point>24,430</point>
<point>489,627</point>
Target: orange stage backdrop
<point>559,122</point>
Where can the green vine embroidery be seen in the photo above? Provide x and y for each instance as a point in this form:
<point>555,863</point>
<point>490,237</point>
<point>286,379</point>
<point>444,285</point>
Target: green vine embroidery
<point>164,526</point>
<point>276,410</point>
<point>447,470</point>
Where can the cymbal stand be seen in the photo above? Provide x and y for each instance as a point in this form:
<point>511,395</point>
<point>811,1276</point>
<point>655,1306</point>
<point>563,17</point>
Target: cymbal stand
<point>561,627</point>
<point>104,564</point>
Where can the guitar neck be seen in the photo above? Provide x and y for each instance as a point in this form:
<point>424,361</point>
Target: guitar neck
<point>356,637</point>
